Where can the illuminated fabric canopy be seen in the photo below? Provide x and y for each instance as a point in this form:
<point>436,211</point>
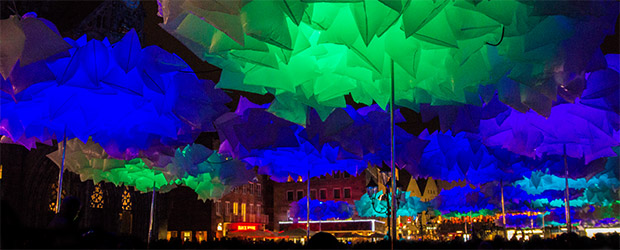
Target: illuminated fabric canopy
<point>313,53</point>
<point>91,162</point>
<point>321,210</point>
<point>407,206</point>
<point>462,200</point>
<point>304,161</point>
<point>207,172</point>
<point>251,127</point>
<point>588,128</point>
<point>26,43</point>
<point>462,118</point>
<point>450,158</point>
<point>364,134</point>
<point>586,132</point>
<point>127,98</point>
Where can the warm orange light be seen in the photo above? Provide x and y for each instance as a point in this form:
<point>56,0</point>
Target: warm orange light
<point>245,228</point>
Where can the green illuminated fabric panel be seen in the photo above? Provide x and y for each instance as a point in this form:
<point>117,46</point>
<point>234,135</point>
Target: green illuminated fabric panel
<point>313,53</point>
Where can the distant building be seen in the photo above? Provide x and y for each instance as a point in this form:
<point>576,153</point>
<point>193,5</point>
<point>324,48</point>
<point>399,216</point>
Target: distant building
<point>244,209</point>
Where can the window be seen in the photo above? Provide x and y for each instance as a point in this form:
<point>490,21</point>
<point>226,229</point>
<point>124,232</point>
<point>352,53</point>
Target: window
<point>251,188</point>
<point>336,193</point>
<point>218,207</point>
<point>259,191</point>
<point>52,203</point>
<point>251,209</point>
<point>258,209</point>
<point>313,194</point>
<point>201,236</point>
<point>96,198</point>
<point>347,193</point>
<point>235,208</point>
<point>171,234</point>
<point>187,235</point>
<point>323,194</point>
<point>243,210</point>
<point>289,195</point>
<point>126,203</point>
<point>346,174</point>
<point>228,209</point>
<point>300,194</point>
<point>245,189</point>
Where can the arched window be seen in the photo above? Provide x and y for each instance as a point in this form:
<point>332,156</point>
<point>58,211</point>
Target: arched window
<point>96,198</point>
<point>126,200</point>
<point>53,196</point>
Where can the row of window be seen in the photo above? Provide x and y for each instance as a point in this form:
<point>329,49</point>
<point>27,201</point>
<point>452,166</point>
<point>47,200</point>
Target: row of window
<point>251,188</point>
<point>337,193</point>
<point>235,208</point>
<point>96,198</point>
<point>337,175</point>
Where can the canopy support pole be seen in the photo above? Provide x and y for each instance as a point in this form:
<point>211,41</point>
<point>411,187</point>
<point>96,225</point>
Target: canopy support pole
<point>151,218</point>
<point>392,158</point>
<point>62,170</point>
<point>308,207</point>
<point>501,184</point>
<point>567,194</point>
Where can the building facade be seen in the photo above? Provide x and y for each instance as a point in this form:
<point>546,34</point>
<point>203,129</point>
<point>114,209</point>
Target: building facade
<point>244,208</point>
<point>337,186</point>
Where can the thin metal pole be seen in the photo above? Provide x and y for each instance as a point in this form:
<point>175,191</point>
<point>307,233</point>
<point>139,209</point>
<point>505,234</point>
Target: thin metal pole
<point>392,159</point>
<point>151,218</point>
<point>62,170</point>
<point>308,207</point>
<point>567,203</point>
<point>501,184</point>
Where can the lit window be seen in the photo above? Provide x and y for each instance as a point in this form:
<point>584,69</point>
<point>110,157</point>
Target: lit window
<point>300,194</point>
<point>187,235</point>
<point>235,208</point>
<point>347,193</point>
<point>96,198</point>
<point>336,193</point>
<point>323,194</point>
<point>201,236</point>
<point>243,207</point>
<point>289,195</point>
<point>53,196</point>
<point>126,203</point>
<point>0,172</point>
<point>172,234</point>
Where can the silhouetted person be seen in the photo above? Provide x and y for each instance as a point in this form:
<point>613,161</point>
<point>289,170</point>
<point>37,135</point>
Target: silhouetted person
<point>322,240</point>
<point>64,226</point>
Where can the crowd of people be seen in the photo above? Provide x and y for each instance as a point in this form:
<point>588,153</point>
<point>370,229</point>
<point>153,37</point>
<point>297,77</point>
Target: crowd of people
<point>63,233</point>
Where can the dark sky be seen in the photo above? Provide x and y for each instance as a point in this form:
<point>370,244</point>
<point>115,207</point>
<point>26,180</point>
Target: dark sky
<point>67,15</point>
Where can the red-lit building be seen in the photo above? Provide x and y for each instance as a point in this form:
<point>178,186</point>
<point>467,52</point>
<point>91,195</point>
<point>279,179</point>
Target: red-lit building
<point>245,210</point>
